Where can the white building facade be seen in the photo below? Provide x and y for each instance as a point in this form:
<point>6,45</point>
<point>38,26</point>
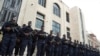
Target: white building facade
<point>77,25</point>
<point>54,14</point>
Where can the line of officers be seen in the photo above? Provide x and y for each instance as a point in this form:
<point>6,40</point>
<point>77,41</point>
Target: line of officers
<point>18,38</point>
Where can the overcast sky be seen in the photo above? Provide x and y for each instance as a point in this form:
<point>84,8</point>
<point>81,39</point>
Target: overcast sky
<point>91,11</point>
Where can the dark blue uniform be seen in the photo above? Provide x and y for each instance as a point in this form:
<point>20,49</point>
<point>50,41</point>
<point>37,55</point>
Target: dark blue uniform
<point>81,50</point>
<point>64,47</point>
<point>18,41</point>
<point>9,38</point>
<point>41,43</point>
<point>85,51</point>
<point>26,41</point>
<point>71,49</point>
<point>58,48</point>
<point>50,46</point>
<point>76,53</point>
<point>34,39</point>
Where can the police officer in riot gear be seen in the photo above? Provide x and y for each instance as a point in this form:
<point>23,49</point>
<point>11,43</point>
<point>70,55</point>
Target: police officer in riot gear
<point>76,48</point>
<point>26,40</point>
<point>80,49</point>
<point>18,41</point>
<point>50,44</point>
<point>41,42</point>
<point>34,39</point>
<point>71,51</point>
<point>58,45</point>
<point>64,46</point>
<point>10,31</point>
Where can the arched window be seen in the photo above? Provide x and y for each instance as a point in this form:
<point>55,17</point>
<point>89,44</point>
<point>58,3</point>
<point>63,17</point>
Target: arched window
<point>56,9</point>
